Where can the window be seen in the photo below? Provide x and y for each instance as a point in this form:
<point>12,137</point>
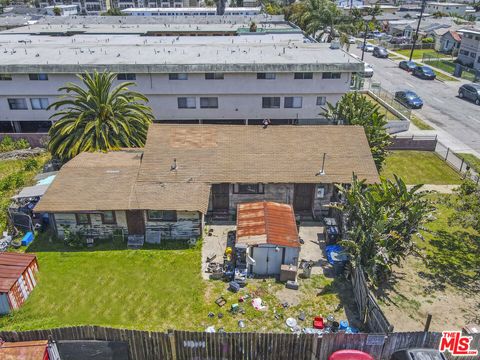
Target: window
<point>213,76</point>
<point>321,100</point>
<point>108,217</point>
<point>17,104</point>
<point>473,55</point>
<point>248,188</point>
<point>39,103</point>
<point>293,102</point>
<point>178,76</point>
<point>126,77</point>
<point>5,77</point>
<point>270,102</point>
<point>82,219</point>
<point>209,103</point>
<point>38,76</point>
<point>186,103</point>
<point>266,76</point>
<point>331,75</point>
<point>162,215</point>
<point>303,76</point>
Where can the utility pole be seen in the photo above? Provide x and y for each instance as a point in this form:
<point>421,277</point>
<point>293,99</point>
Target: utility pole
<point>364,38</point>
<point>415,37</point>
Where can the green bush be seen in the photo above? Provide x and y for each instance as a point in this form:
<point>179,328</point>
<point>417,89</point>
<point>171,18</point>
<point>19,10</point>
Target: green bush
<point>31,164</point>
<point>12,181</point>
<point>428,40</point>
<point>8,144</point>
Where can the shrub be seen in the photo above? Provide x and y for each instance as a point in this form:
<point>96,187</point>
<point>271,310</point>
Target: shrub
<point>31,164</point>
<point>427,40</point>
<point>8,144</point>
<point>12,182</point>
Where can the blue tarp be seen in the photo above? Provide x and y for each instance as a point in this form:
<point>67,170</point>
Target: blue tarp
<point>336,254</point>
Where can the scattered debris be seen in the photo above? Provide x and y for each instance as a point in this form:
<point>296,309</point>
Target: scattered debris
<point>233,286</point>
<point>211,315</point>
<point>221,301</point>
<point>210,329</point>
<point>293,285</point>
<point>241,324</point>
<point>21,154</point>
<point>301,316</point>
<point>211,257</point>
<point>257,304</point>
<point>291,322</point>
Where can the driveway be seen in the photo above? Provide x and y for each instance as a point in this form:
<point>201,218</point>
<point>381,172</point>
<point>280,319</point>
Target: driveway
<point>447,112</point>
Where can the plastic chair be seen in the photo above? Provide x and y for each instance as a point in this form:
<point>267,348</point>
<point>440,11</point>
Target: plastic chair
<point>318,322</point>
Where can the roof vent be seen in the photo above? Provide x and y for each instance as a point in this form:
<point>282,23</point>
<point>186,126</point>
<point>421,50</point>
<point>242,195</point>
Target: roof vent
<point>173,167</point>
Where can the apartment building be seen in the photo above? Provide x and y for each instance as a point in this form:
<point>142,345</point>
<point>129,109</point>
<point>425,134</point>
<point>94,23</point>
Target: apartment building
<point>469,52</point>
<point>234,79</point>
<point>446,8</point>
<point>90,7</point>
<point>180,10</point>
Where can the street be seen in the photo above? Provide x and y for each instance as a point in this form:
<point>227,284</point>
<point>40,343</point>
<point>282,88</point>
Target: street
<point>442,107</point>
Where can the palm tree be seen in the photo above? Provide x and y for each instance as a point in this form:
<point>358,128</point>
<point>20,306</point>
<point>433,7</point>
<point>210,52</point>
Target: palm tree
<point>98,117</point>
<point>320,17</point>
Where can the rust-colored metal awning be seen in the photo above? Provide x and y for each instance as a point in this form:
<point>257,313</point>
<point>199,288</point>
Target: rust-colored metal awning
<point>266,223</point>
<point>26,350</point>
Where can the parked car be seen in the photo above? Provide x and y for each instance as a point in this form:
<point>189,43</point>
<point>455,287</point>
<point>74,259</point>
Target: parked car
<point>352,40</point>
<point>399,40</point>
<point>424,72</point>
<point>407,65</point>
<point>415,354</point>
<point>368,47</point>
<point>380,52</point>
<point>409,99</point>
<point>470,92</point>
<point>350,355</point>
<point>367,71</point>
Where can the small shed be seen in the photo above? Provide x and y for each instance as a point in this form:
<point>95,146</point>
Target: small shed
<point>269,232</point>
<point>17,279</point>
<point>29,350</point>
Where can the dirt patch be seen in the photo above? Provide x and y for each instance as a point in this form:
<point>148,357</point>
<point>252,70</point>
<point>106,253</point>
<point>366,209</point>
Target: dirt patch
<point>413,298</point>
<point>288,296</point>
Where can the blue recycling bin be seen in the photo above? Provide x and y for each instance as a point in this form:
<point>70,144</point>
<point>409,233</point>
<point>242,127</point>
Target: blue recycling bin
<point>27,239</point>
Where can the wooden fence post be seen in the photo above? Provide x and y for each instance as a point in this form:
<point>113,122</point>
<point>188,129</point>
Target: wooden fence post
<point>173,345</point>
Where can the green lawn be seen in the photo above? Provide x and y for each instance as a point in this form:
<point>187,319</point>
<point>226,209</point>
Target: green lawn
<point>419,123</point>
<point>156,289</point>
<point>417,53</point>
<point>419,167</point>
<point>472,160</point>
<point>388,114</point>
<point>449,66</point>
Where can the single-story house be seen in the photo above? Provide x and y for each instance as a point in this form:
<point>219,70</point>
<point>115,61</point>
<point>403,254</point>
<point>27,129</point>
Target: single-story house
<point>188,171</point>
<point>17,279</point>
<point>268,231</point>
<point>447,41</point>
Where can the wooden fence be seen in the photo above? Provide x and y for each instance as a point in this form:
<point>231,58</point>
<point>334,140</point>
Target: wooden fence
<point>183,345</point>
<point>368,309</point>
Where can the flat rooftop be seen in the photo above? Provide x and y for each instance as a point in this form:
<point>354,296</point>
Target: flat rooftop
<point>146,28</point>
<point>143,54</point>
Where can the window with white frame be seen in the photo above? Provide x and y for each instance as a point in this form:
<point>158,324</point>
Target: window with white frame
<point>331,75</point>
<point>126,76</point>
<point>186,102</point>
<point>266,76</point>
<point>293,102</point>
<point>38,76</point>
<point>214,76</point>
<point>208,102</point>
<point>303,76</point>
<point>321,100</point>
<point>178,76</point>
<point>39,103</point>
<point>17,104</point>
<point>271,102</point>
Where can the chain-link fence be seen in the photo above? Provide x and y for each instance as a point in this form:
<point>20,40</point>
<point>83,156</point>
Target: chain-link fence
<point>455,161</point>
<point>449,66</point>
<point>389,99</point>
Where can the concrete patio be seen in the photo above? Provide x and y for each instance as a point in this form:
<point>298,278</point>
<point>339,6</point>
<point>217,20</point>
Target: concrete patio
<point>313,248</point>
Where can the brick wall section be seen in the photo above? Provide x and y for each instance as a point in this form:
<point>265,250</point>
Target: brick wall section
<point>409,143</point>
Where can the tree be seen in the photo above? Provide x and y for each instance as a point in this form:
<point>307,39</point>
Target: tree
<point>374,11</point>
<point>57,11</point>
<point>467,205</point>
<point>98,117</point>
<point>253,27</point>
<point>355,109</point>
<point>113,12</point>
<point>321,17</point>
<point>381,220</point>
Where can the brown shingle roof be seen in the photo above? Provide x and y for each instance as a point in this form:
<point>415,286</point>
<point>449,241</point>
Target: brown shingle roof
<point>205,155</point>
<point>266,222</point>
<point>236,154</point>
<point>12,266</point>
